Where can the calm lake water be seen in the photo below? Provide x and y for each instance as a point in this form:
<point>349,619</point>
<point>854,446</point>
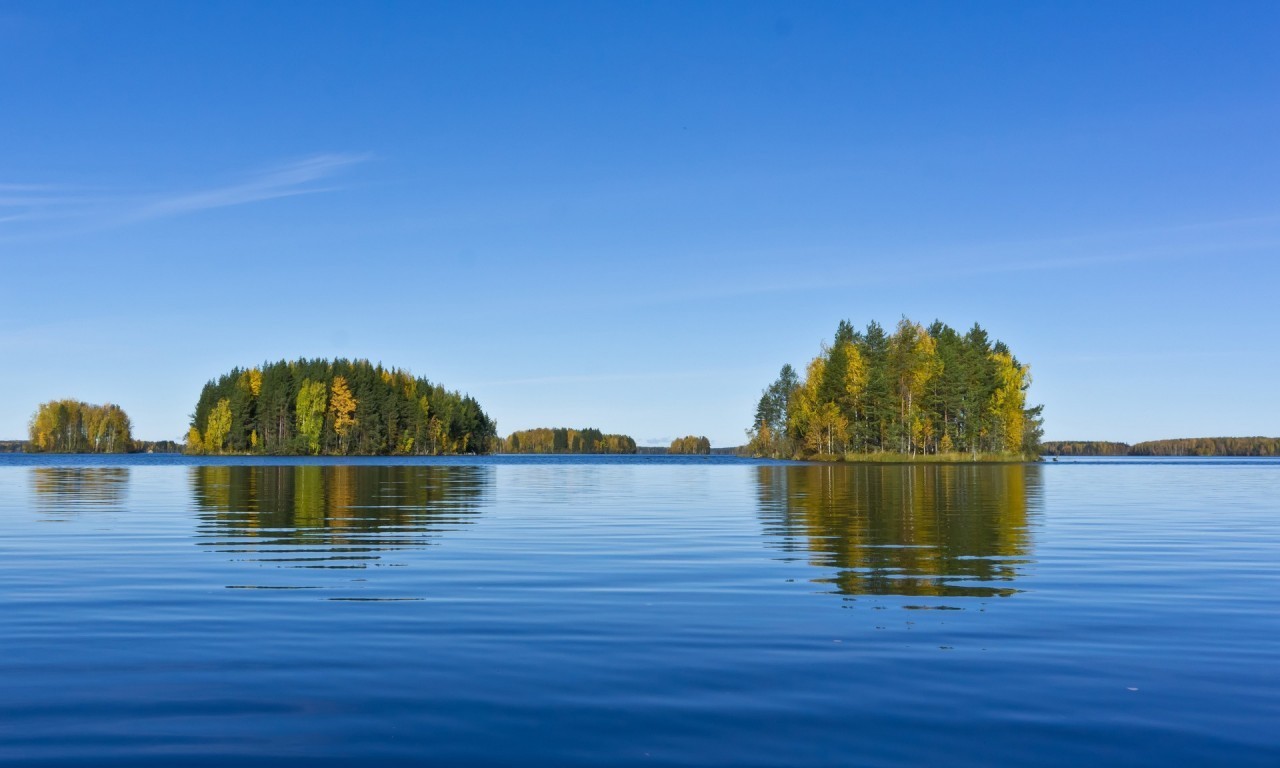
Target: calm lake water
<point>638,611</point>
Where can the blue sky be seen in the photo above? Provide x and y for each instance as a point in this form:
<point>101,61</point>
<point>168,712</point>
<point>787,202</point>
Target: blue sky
<point>629,216</point>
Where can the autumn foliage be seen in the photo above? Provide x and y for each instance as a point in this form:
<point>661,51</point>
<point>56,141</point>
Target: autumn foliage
<point>565,440</point>
<point>916,392</point>
<point>335,407</point>
<point>70,426</point>
<point>690,444</point>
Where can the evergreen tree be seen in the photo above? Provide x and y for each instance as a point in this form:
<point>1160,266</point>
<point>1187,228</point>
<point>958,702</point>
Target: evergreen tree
<point>340,406</point>
<point>919,390</point>
<point>879,408</point>
<point>768,433</point>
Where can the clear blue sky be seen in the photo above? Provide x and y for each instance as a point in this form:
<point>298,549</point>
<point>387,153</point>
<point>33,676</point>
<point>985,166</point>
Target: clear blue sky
<point>630,215</point>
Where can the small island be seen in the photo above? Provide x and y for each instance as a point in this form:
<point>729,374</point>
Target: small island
<point>691,444</point>
<point>72,426</point>
<point>918,394</point>
<point>566,440</point>
<point>339,407</point>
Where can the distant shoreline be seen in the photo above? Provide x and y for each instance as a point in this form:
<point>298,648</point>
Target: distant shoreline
<point>140,446</point>
<point>1185,446</point>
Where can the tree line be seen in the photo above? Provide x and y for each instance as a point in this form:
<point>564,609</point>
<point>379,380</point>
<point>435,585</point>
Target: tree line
<point>335,407</point>
<point>71,426</point>
<point>691,444</point>
<point>564,440</point>
<point>1187,446</point>
<point>916,391</point>
<point>1084,448</point>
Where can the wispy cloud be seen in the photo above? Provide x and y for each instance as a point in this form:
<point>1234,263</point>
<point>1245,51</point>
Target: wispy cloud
<point>30,198</point>
<point>26,187</point>
<point>23,206</point>
<point>299,178</point>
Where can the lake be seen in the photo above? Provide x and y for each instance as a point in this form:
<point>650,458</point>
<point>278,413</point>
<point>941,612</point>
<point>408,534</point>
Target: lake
<point>638,611</point>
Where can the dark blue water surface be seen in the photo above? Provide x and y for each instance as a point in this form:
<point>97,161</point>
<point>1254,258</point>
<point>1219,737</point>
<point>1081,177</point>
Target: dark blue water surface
<point>638,611</point>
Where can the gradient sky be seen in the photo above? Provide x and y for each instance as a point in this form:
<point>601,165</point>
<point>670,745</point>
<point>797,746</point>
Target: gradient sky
<point>629,216</point>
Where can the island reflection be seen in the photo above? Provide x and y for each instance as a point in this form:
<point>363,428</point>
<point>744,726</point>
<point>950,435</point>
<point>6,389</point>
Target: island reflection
<point>63,490</point>
<point>333,516</point>
<point>908,530</point>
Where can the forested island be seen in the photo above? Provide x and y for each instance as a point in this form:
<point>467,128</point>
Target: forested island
<point>72,426</point>
<point>691,444</point>
<point>917,393</point>
<point>1187,446</point>
<point>339,407</point>
<point>565,440</point>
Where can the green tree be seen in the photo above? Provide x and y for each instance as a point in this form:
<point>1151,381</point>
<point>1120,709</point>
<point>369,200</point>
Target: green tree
<point>878,400</point>
<point>978,374</point>
<point>912,363</point>
<point>310,410</point>
<point>768,433</point>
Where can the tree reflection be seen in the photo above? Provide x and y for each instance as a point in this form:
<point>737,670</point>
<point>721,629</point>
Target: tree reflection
<point>354,508</point>
<point>915,530</point>
<point>61,490</point>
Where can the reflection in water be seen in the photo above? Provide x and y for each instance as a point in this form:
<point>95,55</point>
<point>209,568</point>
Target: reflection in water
<point>63,490</point>
<point>332,517</point>
<point>914,530</point>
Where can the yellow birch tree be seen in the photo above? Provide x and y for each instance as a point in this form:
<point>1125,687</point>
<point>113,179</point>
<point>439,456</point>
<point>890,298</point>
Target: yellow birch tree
<point>1008,401</point>
<point>217,427</point>
<point>341,405</point>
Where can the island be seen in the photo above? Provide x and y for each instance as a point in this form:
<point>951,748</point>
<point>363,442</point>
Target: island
<point>566,440</point>
<point>338,407</point>
<point>917,394</point>
<point>691,444</point>
<point>73,426</point>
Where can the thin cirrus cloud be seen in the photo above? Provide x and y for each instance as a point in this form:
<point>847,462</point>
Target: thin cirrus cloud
<point>299,178</point>
<point>24,207</point>
<point>27,202</point>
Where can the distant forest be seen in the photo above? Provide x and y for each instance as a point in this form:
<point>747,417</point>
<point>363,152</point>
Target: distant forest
<point>71,426</point>
<point>1187,446</point>
<point>662,450</point>
<point>564,440</point>
<point>335,408</point>
<point>1084,448</point>
<point>139,446</point>
<point>691,444</point>
<point>916,391</point>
